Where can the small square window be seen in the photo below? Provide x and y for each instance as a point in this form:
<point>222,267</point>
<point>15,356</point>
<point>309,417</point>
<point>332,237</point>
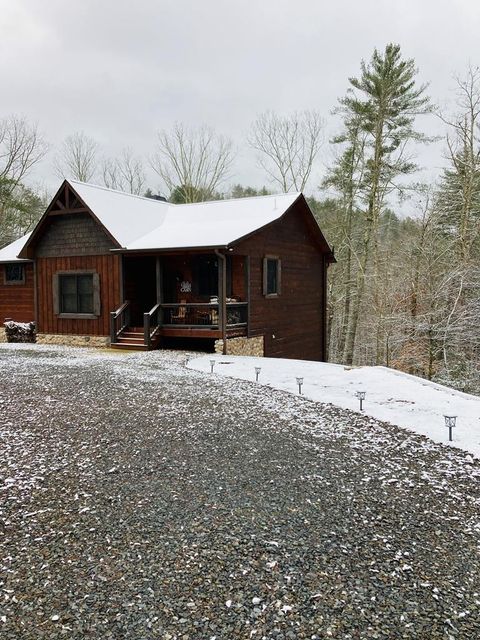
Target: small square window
<point>271,276</point>
<point>14,274</point>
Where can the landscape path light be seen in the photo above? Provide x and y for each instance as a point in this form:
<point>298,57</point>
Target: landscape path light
<point>212,364</point>
<point>450,422</point>
<point>299,382</point>
<point>257,373</point>
<point>361,396</point>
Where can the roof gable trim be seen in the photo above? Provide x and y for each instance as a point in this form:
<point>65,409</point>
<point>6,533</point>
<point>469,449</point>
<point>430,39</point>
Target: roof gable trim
<point>59,207</point>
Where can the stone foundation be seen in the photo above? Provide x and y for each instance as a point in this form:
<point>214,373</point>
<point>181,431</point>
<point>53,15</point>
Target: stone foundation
<point>3,336</point>
<point>242,346</point>
<point>73,340</point>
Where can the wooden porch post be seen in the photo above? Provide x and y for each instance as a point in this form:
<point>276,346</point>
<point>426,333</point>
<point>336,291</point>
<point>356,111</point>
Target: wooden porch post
<point>122,279</point>
<point>324,310</point>
<point>222,298</point>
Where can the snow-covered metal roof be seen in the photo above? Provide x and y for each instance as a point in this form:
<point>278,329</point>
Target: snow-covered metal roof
<point>11,251</point>
<point>125,216</point>
<point>143,223</point>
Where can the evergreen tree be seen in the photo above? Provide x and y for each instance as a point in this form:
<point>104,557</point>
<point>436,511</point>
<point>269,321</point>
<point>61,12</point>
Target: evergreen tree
<point>385,101</point>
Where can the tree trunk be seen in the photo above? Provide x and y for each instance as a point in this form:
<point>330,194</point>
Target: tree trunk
<point>357,297</point>
<point>370,233</point>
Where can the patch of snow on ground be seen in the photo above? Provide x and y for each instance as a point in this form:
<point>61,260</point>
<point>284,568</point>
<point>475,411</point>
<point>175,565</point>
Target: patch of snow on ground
<point>391,396</point>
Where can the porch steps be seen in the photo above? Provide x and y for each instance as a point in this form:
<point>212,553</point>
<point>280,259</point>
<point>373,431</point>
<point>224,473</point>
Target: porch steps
<point>132,338</point>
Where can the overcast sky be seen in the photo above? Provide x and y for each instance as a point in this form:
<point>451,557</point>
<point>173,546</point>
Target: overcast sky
<point>121,70</point>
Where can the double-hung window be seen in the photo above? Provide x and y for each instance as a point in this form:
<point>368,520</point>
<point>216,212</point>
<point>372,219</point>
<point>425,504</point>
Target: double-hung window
<point>76,293</point>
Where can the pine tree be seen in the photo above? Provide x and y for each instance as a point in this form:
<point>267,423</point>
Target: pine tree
<point>386,100</point>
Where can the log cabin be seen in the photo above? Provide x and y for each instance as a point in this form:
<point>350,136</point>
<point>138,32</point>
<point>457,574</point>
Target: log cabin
<point>102,267</point>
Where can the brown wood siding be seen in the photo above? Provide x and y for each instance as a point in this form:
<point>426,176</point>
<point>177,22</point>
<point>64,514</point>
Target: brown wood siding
<point>239,282</point>
<point>293,324</point>
<point>108,269</point>
<point>17,300</point>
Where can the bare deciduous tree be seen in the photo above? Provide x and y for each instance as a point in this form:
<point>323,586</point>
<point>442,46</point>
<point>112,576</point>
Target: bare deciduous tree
<point>288,146</point>
<point>125,173</point>
<point>77,157</point>
<point>21,147</point>
<point>194,161</point>
<point>459,195</point>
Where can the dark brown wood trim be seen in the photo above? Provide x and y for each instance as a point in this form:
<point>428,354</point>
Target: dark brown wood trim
<point>61,212</point>
<point>247,269</point>
<point>73,272</point>
<point>190,333</point>
<point>223,302</point>
<point>324,311</point>
<point>279,276</point>
<point>35,295</point>
<point>222,297</point>
<point>159,280</point>
<point>171,251</point>
<point>97,302</point>
<point>78,316</point>
<point>122,279</point>
<point>55,294</point>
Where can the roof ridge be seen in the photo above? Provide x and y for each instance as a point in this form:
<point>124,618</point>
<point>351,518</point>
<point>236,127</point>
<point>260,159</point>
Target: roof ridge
<point>184,204</point>
<point>270,195</point>
<point>122,193</point>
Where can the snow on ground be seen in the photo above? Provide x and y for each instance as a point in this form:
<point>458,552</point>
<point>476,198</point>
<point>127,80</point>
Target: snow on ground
<point>391,396</point>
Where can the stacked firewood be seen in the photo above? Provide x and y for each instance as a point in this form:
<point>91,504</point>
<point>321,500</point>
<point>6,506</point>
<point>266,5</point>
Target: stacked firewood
<point>19,331</point>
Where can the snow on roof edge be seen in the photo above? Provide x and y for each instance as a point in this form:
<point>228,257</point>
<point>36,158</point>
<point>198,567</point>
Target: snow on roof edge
<point>10,252</point>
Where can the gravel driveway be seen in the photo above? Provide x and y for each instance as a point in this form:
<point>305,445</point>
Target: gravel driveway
<point>140,500</point>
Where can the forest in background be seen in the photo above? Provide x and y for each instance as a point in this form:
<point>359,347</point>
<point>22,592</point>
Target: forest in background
<point>405,291</point>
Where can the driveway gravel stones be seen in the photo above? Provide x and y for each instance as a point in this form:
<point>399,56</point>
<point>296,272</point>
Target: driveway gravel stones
<point>140,499</point>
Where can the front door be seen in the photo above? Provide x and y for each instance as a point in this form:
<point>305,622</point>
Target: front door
<point>140,286</point>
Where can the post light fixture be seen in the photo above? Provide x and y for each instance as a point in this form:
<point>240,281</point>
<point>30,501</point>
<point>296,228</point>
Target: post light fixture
<point>361,396</point>
<point>299,382</point>
<point>212,364</point>
<point>450,423</point>
<point>257,373</point>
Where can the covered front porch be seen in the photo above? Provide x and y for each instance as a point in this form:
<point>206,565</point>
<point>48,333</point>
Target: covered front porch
<point>187,295</point>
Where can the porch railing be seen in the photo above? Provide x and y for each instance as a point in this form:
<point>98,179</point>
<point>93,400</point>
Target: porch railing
<point>237,314</point>
<point>203,314</point>
<point>151,324</point>
<point>119,320</point>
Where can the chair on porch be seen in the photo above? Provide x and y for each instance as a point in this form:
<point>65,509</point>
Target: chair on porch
<point>180,316</point>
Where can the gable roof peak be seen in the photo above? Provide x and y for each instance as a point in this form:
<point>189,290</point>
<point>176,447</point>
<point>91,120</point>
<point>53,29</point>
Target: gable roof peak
<point>78,183</point>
